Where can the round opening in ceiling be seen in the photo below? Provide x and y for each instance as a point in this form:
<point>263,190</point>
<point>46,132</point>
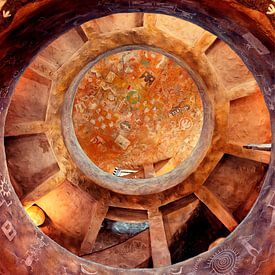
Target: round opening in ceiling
<point>137,109</point>
<point>137,113</point>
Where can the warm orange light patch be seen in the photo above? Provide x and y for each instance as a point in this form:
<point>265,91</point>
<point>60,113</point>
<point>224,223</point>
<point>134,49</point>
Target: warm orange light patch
<point>136,107</point>
<point>36,214</point>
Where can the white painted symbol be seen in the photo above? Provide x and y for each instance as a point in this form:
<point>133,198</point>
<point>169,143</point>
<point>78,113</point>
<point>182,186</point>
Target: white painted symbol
<point>9,230</point>
<point>97,140</point>
<point>196,266</point>
<point>85,271</point>
<point>161,62</point>
<point>256,43</point>
<point>178,272</point>
<point>185,123</point>
<point>5,192</point>
<point>271,9</point>
<point>80,107</point>
<point>270,94</point>
<point>252,251</point>
<point>224,261</point>
<point>34,252</point>
<point>6,14</point>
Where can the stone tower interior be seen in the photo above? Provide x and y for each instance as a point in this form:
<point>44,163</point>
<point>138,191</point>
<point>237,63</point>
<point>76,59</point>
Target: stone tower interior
<point>137,137</point>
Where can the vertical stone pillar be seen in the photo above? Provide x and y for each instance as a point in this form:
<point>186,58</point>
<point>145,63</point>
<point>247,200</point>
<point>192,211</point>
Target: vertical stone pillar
<point>160,251</point>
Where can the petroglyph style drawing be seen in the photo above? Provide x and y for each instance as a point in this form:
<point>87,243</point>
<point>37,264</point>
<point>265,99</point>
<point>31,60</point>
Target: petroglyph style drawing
<point>270,95</point>
<point>6,14</point>
<point>177,272</point>
<point>85,271</point>
<point>256,43</point>
<point>9,230</point>
<point>271,9</point>
<point>225,261</point>
<point>34,252</point>
<point>249,248</point>
<point>5,192</point>
<point>196,266</point>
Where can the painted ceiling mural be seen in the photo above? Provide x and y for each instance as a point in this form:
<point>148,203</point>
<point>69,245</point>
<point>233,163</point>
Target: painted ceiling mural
<point>136,108</point>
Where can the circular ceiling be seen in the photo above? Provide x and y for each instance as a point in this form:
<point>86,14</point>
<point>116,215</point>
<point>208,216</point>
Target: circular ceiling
<point>137,108</point>
<point>141,114</point>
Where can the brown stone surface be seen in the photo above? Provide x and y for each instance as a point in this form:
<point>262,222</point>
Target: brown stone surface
<point>56,54</point>
<point>37,162</point>
<point>234,179</point>
<point>113,23</point>
<point>224,59</point>
<point>30,99</point>
<point>69,209</point>
<point>25,250</point>
<point>129,254</point>
<point>183,30</point>
<point>251,126</point>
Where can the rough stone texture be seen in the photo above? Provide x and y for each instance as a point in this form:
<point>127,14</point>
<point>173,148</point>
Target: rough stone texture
<point>182,30</point>
<point>136,107</point>
<point>113,23</point>
<point>251,126</point>
<point>57,53</point>
<point>37,162</point>
<point>56,204</point>
<point>234,179</point>
<point>30,99</point>
<point>24,248</point>
<point>223,59</point>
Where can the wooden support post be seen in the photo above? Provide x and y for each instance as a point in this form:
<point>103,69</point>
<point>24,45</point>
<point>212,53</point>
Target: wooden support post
<point>159,246</point>
<point>97,218</point>
<point>216,207</point>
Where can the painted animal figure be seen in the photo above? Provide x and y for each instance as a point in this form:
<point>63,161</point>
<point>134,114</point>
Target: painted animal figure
<point>250,249</point>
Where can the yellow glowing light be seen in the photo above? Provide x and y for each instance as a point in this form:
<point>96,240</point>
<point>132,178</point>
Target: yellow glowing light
<point>36,214</point>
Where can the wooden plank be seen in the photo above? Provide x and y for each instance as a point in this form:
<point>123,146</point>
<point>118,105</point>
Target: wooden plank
<point>27,128</point>
<point>97,218</point>
<point>149,170</point>
<point>242,90</point>
<point>44,188</point>
<point>159,246</point>
<point>216,207</point>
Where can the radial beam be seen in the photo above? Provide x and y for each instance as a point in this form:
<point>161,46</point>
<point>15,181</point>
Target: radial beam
<point>44,188</point>
<point>204,42</point>
<point>238,151</point>
<point>27,128</point>
<point>216,207</point>
<point>244,89</point>
<point>97,217</point>
<point>159,246</point>
<point>149,170</point>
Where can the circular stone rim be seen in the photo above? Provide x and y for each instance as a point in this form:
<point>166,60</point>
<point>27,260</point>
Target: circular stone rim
<point>137,186</point>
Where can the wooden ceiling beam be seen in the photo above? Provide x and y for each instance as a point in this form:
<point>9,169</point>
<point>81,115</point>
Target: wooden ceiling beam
<point>214,204</point>
<point>43,189</point>
<point>97,218</point>
<point>159,245</point>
